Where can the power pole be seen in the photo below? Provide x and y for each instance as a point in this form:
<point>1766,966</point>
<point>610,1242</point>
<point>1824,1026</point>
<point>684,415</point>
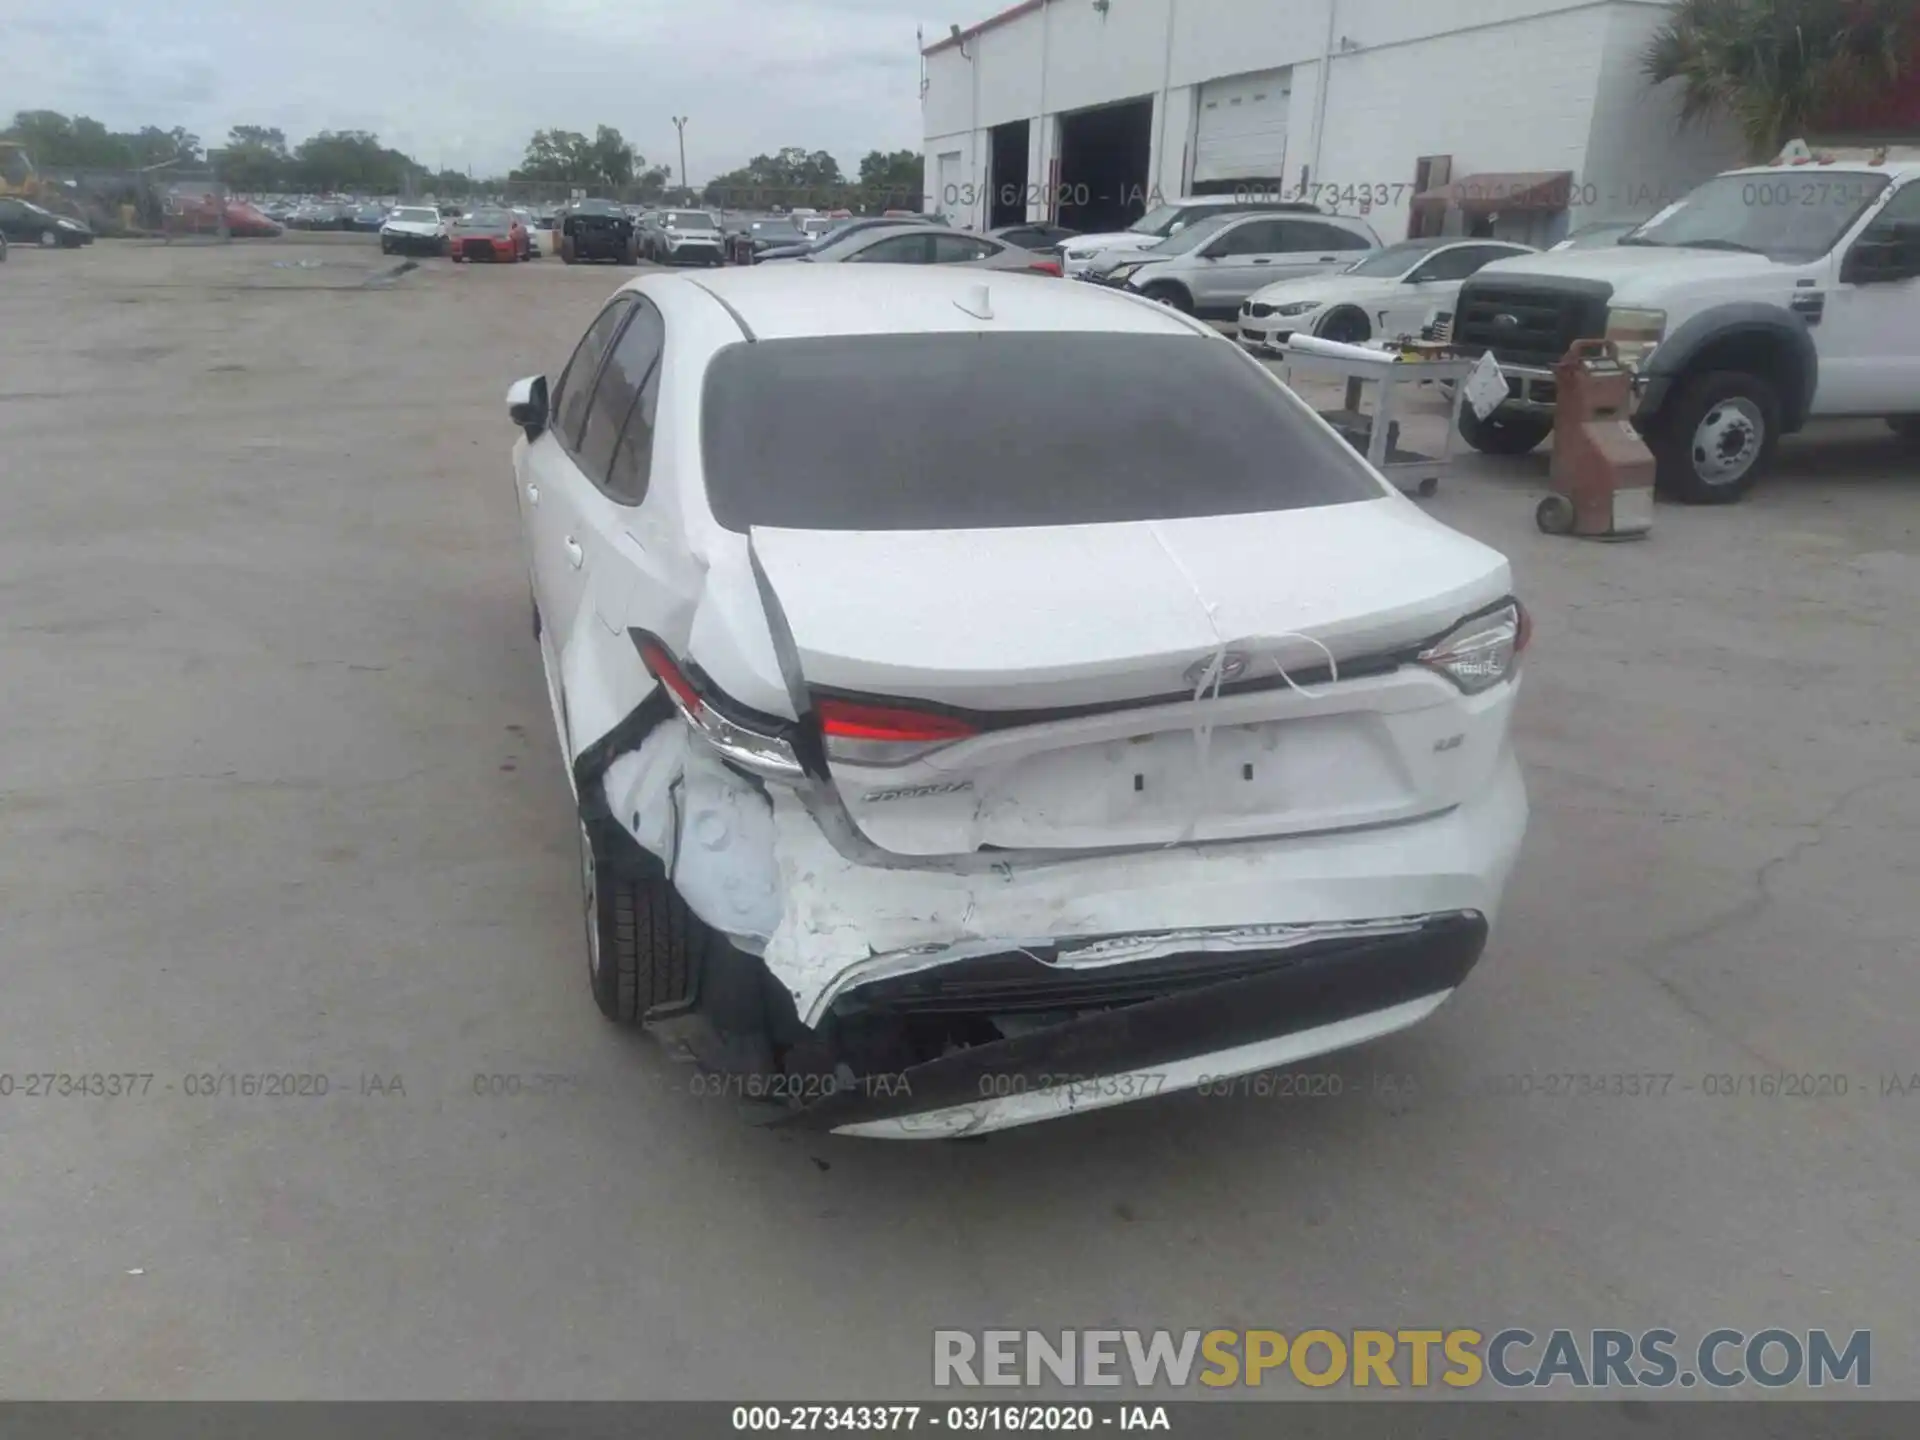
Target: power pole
<point>680,124</point>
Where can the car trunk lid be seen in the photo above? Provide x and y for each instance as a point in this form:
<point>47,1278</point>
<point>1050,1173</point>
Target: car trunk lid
<point>1085,658</point>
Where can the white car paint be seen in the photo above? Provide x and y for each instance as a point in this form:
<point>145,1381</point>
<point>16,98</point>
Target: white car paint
<point>1422,285</point>
<point>413,223</point>
<point>1392,793</point>
<point>1867,336</point>
<point>1164,220</point>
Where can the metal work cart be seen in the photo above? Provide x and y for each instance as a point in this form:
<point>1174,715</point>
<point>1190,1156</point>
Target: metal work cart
<point>1376,435</point>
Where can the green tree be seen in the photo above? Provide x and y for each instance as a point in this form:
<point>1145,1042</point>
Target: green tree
<point>895,178</point>
<point>59,143</point>
<point>350,160</point>
<point>607,162</point>
<point>557,156</point>
<point>152,147</point>
<point>255,159</point>
<point>259,137</point>
<point>612,158</point>
<point>1776,67</point>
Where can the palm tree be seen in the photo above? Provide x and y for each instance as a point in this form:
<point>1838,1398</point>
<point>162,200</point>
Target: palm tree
<point>1775,67</point>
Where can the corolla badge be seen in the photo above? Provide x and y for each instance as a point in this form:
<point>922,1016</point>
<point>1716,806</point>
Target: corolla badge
<point>1233,664</point>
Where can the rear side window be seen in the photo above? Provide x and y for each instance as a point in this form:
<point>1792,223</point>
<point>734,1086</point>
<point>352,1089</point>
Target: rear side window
<point>1310,235</point>
<point>576,381</point>
<point>897,250</point>
<point>973,431</point>
<point>1257,237</point>
<point>626,370</point>
<point>959,249</point>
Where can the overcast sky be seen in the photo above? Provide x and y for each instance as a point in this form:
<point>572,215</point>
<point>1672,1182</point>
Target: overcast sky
<point>465,82</point>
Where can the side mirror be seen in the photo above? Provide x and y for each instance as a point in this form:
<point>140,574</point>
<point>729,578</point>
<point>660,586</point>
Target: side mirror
<point>1214,251</point>
<point>1884,253</point>
<point>527,405</point>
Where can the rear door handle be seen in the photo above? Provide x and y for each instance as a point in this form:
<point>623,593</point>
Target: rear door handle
<point>1328,259</point>
<point>533,494</point>
<point>576,557</point>
<point>1258,261</point>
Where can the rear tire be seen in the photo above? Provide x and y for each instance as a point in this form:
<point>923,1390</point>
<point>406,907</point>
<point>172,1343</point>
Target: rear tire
<point>1716,438</point>
<point>1174,297</point>
<point>567,253</point>
<point>1345,326</point>
<point>643,944</point>
<point>630,255</point>
<point>1505,432</point>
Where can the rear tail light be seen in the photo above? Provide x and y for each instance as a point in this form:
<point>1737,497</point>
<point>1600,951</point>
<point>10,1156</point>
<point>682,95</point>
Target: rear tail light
<point>750,745</point>
<point>1045,267</point>
<point>1482,651</point>
<point>869,734</point>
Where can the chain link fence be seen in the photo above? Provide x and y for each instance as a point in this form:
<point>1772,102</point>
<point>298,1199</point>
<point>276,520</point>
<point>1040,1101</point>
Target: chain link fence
<point>177,206</point>
<point>544,197</point>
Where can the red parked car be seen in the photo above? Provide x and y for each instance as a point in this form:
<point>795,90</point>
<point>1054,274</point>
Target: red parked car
<point>200,215</point>
<point>489,233</point>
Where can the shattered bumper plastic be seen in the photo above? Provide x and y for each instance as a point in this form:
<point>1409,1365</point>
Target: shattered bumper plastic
<point>1322,998</point>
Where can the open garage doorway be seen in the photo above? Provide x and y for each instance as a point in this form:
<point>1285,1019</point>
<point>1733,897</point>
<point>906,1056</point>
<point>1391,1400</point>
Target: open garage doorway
<point>1104,155</point>
<point>1008,171</point>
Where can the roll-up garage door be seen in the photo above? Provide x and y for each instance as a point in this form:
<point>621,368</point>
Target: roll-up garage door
<point>1243,128</point>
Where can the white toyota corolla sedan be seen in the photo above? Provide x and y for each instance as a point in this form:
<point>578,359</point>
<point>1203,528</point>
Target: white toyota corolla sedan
<point>988,698</point>
<point>1396,291</point>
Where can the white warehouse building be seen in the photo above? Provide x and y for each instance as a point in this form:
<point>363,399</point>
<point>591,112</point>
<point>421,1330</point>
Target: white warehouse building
<point>1515,118</point>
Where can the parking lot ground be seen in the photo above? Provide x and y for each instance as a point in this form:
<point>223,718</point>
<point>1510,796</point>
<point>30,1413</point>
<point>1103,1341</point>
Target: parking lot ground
<point>279,795</point>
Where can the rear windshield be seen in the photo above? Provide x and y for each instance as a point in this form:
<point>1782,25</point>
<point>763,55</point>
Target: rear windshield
<point>970,431</point>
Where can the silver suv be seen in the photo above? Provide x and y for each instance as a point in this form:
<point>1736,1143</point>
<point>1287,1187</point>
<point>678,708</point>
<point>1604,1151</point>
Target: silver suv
<point>1212,265</point>
<point>1170,218</point>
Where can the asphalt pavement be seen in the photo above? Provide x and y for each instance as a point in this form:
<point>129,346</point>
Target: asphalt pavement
<point>279,797</point>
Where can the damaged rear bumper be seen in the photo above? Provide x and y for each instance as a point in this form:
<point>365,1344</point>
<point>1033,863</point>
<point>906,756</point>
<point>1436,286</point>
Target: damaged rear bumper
<point>1275,1008</point>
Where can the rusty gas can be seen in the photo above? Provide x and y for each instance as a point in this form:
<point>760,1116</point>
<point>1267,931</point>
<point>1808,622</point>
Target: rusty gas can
<point>1602,470</point>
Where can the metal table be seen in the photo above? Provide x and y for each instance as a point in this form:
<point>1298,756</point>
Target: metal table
<point>1377,435</point>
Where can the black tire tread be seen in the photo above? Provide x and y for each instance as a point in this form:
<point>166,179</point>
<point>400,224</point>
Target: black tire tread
<point>652,945</point>
<point>1503,435</point>
<point>1339,316</point>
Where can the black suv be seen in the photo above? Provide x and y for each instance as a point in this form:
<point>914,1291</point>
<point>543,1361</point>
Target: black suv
<point>597,230</point>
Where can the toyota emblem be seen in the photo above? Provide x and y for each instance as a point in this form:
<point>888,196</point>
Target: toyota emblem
<point>1233,665</point>
<point>1507,322</point>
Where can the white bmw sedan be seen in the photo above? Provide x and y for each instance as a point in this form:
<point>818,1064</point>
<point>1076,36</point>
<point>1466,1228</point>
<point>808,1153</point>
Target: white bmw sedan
<point>987,698</point>
<point>1397,291</point>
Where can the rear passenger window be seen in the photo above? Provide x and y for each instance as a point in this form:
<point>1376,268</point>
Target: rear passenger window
<point>633,460</point>
<point>626,370</point>
<point>958,250</point>
<point>1309,235</point>
<point>576,381</point>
